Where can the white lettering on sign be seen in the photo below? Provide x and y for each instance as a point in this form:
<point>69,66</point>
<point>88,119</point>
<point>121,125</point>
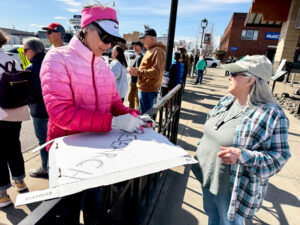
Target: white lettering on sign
<point>75,22</point>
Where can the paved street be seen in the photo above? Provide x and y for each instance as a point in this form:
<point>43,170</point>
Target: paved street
<point>180,202</point>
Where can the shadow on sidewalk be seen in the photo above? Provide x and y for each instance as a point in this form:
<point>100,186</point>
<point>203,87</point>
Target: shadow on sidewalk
<point>169,209</point>
<point>277,197</point>
<point>16,215</point>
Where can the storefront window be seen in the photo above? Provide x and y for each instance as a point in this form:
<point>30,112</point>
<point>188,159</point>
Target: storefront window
<point>255,35</point>
<point>243,34</point>
<point>249,35</point>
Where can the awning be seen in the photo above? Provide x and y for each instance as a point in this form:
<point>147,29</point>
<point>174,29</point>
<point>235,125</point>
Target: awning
<point>270,13</point>
<point>219,52</point>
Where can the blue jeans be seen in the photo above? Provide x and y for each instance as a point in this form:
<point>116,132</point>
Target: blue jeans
<point>146,100</point>
<point>40,130</point>
<point>216,207</point>
<point>199,76</point>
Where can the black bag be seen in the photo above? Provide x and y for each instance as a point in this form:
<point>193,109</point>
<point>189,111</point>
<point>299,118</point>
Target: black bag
<point>15,87</point>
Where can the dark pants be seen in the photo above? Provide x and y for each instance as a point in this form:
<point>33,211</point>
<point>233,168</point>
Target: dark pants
<point>90,201</point>
<point>199,76</point>
<point>40,129</point>
<point>11,157</point>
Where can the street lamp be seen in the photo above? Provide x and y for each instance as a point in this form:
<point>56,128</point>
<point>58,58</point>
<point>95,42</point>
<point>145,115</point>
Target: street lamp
<point>204,23</point>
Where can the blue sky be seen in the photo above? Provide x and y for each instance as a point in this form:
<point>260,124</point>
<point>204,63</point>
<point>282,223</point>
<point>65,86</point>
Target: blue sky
<point>30,15</point>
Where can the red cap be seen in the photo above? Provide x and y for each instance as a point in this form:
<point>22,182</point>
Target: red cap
<point>52,26</point>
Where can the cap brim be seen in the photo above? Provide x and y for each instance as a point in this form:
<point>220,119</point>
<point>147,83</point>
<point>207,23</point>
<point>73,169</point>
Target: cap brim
<point>233,67</point>
<point>45,28</point>
<point>112,28</point>
<point>142,35</point>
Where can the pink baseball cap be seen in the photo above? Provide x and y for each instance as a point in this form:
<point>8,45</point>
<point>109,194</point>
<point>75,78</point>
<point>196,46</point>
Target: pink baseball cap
<point>105,17</point>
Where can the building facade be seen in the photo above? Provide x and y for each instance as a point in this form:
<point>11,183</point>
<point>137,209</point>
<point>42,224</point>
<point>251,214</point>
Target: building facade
<point>240,40</point>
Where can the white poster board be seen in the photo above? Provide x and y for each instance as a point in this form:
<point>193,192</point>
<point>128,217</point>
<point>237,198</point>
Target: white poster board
<point>88,160</point>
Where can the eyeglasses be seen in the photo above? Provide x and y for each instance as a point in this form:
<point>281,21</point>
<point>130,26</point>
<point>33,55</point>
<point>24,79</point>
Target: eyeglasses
<point>26,49</point>
<point>236,74</point>
<point>51,31</point>
<point>104,36</point>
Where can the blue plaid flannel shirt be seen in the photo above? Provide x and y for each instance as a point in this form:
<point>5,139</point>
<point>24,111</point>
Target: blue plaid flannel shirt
<point>262,138</point>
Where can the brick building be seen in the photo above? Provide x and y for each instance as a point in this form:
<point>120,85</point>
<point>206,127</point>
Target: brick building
<point>130,37</point>
<point>240,40</point>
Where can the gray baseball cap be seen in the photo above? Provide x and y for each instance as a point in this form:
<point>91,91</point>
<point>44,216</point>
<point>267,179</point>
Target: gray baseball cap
<point>258,65</point>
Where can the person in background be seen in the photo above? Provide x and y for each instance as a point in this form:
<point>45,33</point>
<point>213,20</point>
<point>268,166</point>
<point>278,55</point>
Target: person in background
<point>119,67</point>
<point>191,64</point>
<point>35,51</point>
<point>176,72</point>
<point>200,67</point>
<point>133,93</point>
<point>229,60</point>
<point>185,59</point>
<point>196,60</point>
<point>80,95</point>
<point>11,158</point>
<point>245,142</point>
<point>150,72</point>
<point>55,34</point>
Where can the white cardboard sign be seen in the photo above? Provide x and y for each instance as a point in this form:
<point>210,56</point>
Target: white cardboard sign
<point>88,160</point>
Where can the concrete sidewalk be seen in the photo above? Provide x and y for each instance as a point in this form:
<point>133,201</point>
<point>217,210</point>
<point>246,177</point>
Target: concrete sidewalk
<point>180,202</point>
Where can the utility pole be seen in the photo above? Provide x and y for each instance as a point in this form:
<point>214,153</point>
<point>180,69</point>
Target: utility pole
<point>171,35</point>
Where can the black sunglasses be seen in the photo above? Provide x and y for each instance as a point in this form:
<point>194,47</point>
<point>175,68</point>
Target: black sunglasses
<point>51,31</point>
<point>104,36</point>
<point>236,74</point>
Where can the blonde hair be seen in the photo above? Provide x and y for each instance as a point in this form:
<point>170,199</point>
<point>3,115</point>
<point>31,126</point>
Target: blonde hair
<point>3,38</point>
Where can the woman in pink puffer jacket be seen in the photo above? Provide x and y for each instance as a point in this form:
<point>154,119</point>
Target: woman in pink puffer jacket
<point>80,93</point>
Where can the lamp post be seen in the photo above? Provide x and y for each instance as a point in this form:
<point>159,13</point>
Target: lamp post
<point>204,23</point>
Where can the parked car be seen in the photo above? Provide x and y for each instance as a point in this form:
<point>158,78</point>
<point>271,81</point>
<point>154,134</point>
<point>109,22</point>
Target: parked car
<point>12,50</point>
<point>130,54</point>
<point>211,62</point>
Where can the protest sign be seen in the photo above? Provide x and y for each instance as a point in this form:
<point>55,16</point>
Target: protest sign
<point>88,160</point>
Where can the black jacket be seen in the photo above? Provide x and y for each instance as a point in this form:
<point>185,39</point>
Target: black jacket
<point>37,108</point>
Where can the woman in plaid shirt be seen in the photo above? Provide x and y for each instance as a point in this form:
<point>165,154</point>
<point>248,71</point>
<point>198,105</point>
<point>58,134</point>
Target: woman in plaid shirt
<point>244,144</point>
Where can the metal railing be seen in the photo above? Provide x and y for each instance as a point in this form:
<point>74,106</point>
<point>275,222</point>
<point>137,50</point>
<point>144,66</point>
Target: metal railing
<point>130,202</point>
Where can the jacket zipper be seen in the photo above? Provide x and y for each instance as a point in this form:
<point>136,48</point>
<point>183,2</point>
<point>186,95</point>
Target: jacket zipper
<point>94,82</point>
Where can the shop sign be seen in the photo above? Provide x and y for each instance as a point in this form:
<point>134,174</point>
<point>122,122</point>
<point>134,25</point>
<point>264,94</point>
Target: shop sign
<point>272,36</point>
<point>233,48</point>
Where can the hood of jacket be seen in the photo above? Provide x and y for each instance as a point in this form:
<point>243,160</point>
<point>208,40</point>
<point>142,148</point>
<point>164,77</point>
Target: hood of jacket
<point>158,45</point>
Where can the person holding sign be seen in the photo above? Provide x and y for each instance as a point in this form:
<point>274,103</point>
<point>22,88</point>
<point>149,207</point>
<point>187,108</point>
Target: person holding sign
<point>81,95</point>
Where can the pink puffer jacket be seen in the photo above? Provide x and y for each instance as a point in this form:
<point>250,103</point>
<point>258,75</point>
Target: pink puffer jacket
<point>79,91</point>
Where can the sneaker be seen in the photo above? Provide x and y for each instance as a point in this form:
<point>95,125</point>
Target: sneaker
<point>39,172</point>
<point>4,199</point>
<point>19,185</point>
